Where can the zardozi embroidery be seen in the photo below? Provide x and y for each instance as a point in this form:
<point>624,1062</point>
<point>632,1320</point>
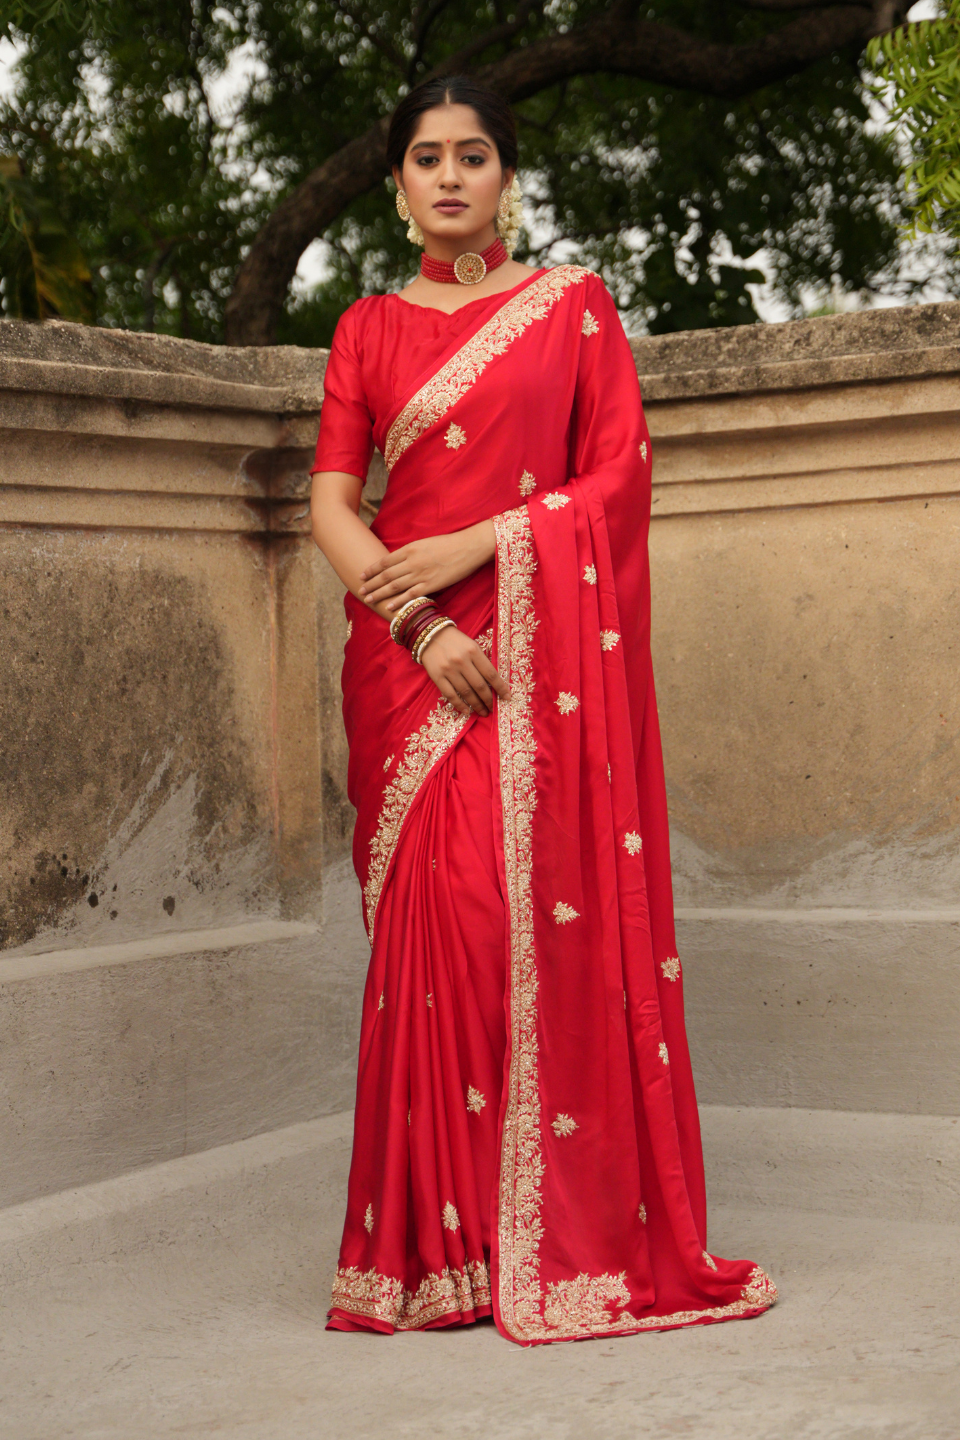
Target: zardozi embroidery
<point>590,325</point>
<point>671,967</point>
<point>564,1125</point>
<point>455,437</point>
<point>564,913</point>
<point>423,749</point>
<point>566,703</point>
<point>632,843</point>
<point>528,483</point>
<point>475,1100</point>
<point>381,1297</point>
<point>461,372</point>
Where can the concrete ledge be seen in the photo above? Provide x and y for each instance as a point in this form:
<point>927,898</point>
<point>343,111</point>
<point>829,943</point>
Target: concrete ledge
<point>300,1168</point>
<point>125,1055</point>
<point>888,1167</point>
<point>825,1009</point>
<point>152,947</point>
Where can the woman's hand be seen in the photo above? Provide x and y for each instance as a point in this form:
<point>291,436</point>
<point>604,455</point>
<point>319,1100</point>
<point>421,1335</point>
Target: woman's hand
<point>461,672</point>
<point>426,566</point>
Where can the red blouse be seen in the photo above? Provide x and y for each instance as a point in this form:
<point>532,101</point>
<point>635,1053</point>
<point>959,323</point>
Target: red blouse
<point>380,346</point>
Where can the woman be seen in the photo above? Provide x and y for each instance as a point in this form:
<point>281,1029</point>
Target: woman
<point>527,1141</point>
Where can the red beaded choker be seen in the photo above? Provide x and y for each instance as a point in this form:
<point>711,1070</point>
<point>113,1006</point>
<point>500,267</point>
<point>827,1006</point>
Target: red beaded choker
<point>468,269</point>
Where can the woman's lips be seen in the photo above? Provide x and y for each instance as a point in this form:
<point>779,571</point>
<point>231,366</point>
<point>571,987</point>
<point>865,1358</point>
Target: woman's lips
<point>450,207</point>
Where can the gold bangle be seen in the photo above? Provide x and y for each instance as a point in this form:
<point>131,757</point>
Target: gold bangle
<point>427,630</point>
<point>423,640</point>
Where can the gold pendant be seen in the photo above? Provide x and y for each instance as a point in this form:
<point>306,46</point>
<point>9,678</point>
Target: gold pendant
<point>469,269</point>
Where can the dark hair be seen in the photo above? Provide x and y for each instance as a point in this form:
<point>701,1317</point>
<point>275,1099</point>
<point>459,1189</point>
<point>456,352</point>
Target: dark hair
<point>493,112</point>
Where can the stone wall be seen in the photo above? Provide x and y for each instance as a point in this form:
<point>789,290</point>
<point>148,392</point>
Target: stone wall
<point>182,954</point>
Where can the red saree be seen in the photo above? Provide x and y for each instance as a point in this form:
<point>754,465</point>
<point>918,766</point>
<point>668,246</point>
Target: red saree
<point>527,1141</point>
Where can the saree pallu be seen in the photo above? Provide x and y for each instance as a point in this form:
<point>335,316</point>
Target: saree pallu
<point>527,1141</point>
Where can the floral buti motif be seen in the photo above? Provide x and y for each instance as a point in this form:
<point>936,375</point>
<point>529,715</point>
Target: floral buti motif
<point>528,483</point>
<point>475,1100</point>
<point>381,1002</point>
<point>663,1053</point>
<point>368,1220</point>
<point>590,324</point>
<point>451,1220</point>
<point>632,843</point>
<point>564,913</point>
<point>590,574</point>
<point>455,437</point>
<point>642,1212</point>
<point>671,967</point>
<point>583,1305</point>
<point>566,703</point>
<point>556,501</point>
<point>563,1125</point>
<point>709,1260</point>
<point>608,638</point>
<point>643,450</point>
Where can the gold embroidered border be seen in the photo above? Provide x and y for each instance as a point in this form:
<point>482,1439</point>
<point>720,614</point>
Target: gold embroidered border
<point>521,1161</point>
<point>423,749</point>
<point>381,1297</point>
<point>453,380</point>
<point>569,1309</point>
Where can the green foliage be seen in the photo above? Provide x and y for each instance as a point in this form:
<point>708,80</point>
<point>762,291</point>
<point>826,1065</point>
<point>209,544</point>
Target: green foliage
<point>669,194</point>
<point>918,74</point>
<point>43,271</point>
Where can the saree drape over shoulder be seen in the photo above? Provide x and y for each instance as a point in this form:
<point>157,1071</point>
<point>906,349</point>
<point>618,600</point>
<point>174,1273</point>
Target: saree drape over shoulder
<point>527,1140</point>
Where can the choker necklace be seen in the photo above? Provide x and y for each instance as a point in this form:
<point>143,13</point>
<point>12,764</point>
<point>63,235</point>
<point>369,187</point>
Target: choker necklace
<point>468,269</point>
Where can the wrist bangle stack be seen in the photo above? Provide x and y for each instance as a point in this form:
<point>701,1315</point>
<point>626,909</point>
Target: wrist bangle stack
<point>405,614</point>
<point>440,622</point>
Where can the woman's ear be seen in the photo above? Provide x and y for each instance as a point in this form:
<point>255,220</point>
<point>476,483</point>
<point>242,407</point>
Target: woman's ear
<point>397,174</point>
<point>508,176</point>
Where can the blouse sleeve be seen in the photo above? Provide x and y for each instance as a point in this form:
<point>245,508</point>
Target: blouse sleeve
<point>345,441</point>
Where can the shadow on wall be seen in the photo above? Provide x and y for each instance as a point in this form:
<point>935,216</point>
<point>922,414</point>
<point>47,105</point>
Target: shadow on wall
<point>127,788</point>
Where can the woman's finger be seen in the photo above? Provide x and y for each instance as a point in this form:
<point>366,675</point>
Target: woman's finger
<point>447,690</point>
<point>388,589</point>
<point>396,557</point>
<point>463,685</point>
<point>492,676</point>
<point>479,684</point>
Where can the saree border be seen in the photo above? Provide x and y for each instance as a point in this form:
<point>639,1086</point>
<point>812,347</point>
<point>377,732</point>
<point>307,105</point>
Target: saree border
<point>452,381</point>
<point>582,1306</point>
<point>384,1298</point>
<point>428,744</point>
<point>521,1161</point>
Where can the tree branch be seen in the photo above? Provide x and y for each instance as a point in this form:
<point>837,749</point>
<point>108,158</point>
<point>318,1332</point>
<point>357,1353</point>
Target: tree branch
<point>614,42</point>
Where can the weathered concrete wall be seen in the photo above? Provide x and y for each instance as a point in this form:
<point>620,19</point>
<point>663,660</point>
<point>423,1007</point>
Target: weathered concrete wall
<point>806,609</point>
<point>172,759</point>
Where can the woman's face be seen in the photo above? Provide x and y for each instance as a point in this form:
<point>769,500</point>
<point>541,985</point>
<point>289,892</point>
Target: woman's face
<point>452,174</point>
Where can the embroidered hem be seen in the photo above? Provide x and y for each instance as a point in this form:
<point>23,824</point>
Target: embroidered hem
<point>383,1298</point>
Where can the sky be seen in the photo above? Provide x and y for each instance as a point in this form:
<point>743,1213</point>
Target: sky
<point>228,90</point>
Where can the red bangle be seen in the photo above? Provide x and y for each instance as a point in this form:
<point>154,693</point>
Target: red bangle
<point>418,623</point>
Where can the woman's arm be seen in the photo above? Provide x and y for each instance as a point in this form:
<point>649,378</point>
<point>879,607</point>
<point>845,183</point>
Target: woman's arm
<point>349,545</point>
<point>454,662</point>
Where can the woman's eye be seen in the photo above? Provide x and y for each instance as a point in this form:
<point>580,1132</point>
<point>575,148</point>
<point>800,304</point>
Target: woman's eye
<point>425,160</point>
<point>474,159</point>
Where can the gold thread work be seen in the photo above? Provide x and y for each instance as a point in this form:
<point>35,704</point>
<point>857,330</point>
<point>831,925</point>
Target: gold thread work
<point>453,380</point>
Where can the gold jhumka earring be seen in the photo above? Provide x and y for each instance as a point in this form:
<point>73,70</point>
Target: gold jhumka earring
<point>403,209</point>
<point>503,209</point>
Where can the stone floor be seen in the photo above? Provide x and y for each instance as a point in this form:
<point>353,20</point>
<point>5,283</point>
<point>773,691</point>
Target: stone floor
<point>221,1333</point>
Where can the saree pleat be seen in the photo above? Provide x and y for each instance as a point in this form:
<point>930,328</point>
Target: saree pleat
<point>527,1139</point>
